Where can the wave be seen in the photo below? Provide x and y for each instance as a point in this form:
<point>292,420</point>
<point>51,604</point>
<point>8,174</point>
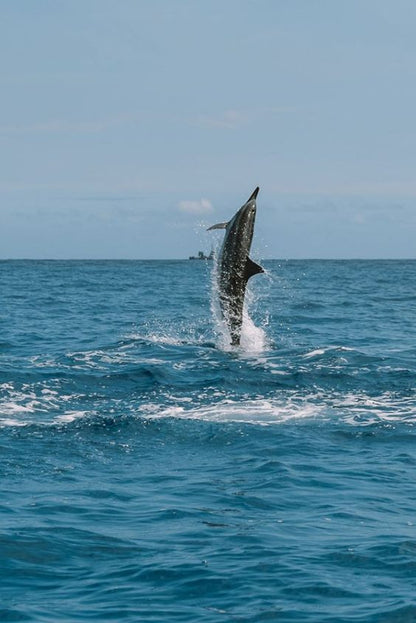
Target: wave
<point>32,404</point>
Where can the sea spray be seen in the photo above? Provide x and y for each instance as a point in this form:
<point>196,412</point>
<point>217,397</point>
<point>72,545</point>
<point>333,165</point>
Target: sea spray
<point>253,338</point>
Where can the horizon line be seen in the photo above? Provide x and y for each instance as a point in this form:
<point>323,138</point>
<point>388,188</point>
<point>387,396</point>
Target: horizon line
<point>197,260</point>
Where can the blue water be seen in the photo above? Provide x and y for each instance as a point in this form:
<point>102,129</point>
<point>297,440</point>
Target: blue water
<point>150,472</point>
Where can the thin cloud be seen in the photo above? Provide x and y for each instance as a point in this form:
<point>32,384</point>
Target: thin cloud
<point>230,119</point>
<point>201,206</point>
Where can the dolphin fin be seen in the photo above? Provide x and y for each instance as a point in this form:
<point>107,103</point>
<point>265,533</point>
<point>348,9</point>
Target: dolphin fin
<point>218,226</point>
<point>252,269</point>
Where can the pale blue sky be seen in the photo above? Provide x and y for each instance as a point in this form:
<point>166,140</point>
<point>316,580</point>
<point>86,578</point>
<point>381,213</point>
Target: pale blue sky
<point>127,126</point>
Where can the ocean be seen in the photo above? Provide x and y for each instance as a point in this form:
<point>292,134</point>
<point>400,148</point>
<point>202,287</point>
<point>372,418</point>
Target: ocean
<point>150,472</point>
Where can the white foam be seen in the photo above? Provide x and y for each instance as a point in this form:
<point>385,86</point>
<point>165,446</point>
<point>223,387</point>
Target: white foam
<point>314,353</point>
<point>351,409</point>
<point>71,416</point>
<point>367,410</point>
<point>11,422</point>
<point>257,411</point>
<point>46,407</point>
<point>318,352</point>
<point>9,407</point>
<point>253,338</point>
<point>23,406</point>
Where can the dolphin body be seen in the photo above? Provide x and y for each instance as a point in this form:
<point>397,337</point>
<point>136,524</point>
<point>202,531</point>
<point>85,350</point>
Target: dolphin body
<point>235,266</point>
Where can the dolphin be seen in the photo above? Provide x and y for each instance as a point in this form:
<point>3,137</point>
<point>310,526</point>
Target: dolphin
<point>235,266</point>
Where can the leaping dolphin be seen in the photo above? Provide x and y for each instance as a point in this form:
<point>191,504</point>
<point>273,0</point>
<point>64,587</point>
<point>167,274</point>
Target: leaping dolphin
<point>235,266</point>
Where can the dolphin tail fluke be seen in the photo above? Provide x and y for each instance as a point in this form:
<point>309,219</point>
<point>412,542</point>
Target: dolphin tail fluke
<point>252,269</point>
<point>218,226</point>
<point>254,194</point>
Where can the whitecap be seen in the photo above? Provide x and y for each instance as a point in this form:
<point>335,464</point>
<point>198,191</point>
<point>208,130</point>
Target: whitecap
<point>256,411</point>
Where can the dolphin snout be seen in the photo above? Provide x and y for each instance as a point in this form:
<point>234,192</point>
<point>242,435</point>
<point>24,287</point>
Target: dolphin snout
<point>254,194</point>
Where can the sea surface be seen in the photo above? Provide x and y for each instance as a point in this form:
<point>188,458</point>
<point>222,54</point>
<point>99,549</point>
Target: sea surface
<point>150,472</point>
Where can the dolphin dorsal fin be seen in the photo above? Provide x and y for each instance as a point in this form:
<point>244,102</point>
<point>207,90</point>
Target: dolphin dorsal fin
<point>252,269</point>
<point>218,226</point>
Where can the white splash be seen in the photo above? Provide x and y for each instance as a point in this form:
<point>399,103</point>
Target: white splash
<point>253,339</point>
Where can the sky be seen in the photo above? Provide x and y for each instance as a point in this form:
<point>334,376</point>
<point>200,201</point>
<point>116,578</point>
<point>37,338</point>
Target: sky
<point>128,127</point>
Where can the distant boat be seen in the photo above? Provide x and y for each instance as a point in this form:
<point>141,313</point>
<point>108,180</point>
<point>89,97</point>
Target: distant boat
<point>201,256</point>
